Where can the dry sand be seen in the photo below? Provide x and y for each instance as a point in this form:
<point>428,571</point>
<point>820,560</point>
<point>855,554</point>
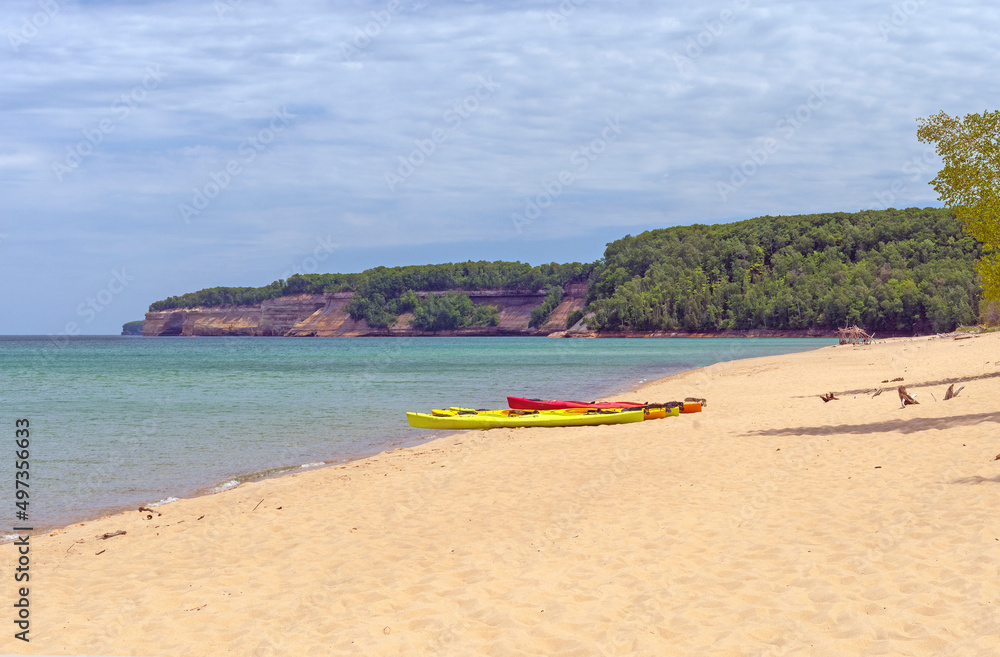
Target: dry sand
<point>771,524</point>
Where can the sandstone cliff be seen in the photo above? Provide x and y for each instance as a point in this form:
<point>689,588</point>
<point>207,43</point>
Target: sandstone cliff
<point>324,315</point>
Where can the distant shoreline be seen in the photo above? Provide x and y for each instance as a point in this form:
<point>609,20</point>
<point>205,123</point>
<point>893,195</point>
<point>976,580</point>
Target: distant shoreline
<point>494,333</point>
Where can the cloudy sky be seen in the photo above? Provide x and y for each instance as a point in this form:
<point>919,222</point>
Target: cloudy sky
<point>159,147</point>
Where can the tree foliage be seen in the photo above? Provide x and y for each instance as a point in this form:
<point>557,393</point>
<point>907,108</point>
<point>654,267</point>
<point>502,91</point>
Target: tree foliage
<point>969,181</point>
<point>553,297</point>
<point>376,288</point>
<point>132,328</point>
<point>249,296</point>
<point>898,270</point>
<point>574,317</point>
<point>453,310</point>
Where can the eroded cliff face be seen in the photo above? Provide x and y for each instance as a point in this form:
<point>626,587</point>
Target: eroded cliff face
<point>324,315</point>
<point>272,317</point>
<point>573,299</point>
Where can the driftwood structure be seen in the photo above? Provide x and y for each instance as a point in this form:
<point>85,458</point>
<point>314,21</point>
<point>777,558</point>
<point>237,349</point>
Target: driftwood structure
<point>854,335</point>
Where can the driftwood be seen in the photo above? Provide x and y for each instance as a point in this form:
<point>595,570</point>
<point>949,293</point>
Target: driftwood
<point>905,398</point>
<point>120,532</point>
<point>827,397</point>
<point>951,393</point>
<point>876,394</point>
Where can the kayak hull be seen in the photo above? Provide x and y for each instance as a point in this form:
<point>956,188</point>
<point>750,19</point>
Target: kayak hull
<point>657,413</point>
<point>494,419</point>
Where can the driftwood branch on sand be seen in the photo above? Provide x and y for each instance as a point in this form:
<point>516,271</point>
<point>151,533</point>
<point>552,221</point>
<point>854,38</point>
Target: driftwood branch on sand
<point>951,393</point>
<point>104,537</point>
<point>827,397</point>
<point>905,398</point>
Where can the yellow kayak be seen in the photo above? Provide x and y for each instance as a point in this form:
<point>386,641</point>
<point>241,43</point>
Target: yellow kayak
<point>471,419</point>
<point>654,413</point>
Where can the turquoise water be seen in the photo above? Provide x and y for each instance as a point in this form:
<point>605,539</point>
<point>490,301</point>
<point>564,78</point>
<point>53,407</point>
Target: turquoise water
<point>121,421</point>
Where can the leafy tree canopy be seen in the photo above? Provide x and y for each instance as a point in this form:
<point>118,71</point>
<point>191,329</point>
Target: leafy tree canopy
<point>969,181</point>
<point>896,270</point>
<point>132,328</point>
<point>452,310</point>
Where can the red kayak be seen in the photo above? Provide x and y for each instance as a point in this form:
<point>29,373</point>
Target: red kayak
<point>555,404</point>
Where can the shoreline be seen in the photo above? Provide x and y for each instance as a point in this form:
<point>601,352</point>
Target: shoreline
<point>390,439</point>
<point>280,471</point>
<point>243,479</point>
<point>568,333</point>
<point>276,471</point>
<point>771,521</point>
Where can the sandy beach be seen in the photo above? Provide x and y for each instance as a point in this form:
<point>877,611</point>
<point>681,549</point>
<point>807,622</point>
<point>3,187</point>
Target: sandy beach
<point>771,524</point>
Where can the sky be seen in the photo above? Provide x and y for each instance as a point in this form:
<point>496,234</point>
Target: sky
<point>155,148</point>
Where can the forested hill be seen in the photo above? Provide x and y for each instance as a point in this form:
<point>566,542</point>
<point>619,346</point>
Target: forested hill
<point>888,270</point>
<point>897,270</point>
<point>381,294</point>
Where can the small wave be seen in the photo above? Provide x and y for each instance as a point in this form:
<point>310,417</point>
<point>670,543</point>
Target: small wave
<point>165,501</point>
<point>242,479</point>
<point>312,465</point>
<point>7,538</point>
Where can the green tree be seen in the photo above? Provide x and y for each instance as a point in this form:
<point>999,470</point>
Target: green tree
<point>132,328</point>
<point>452,310</point>
<point>540,314</point>
<point>969,182</point>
